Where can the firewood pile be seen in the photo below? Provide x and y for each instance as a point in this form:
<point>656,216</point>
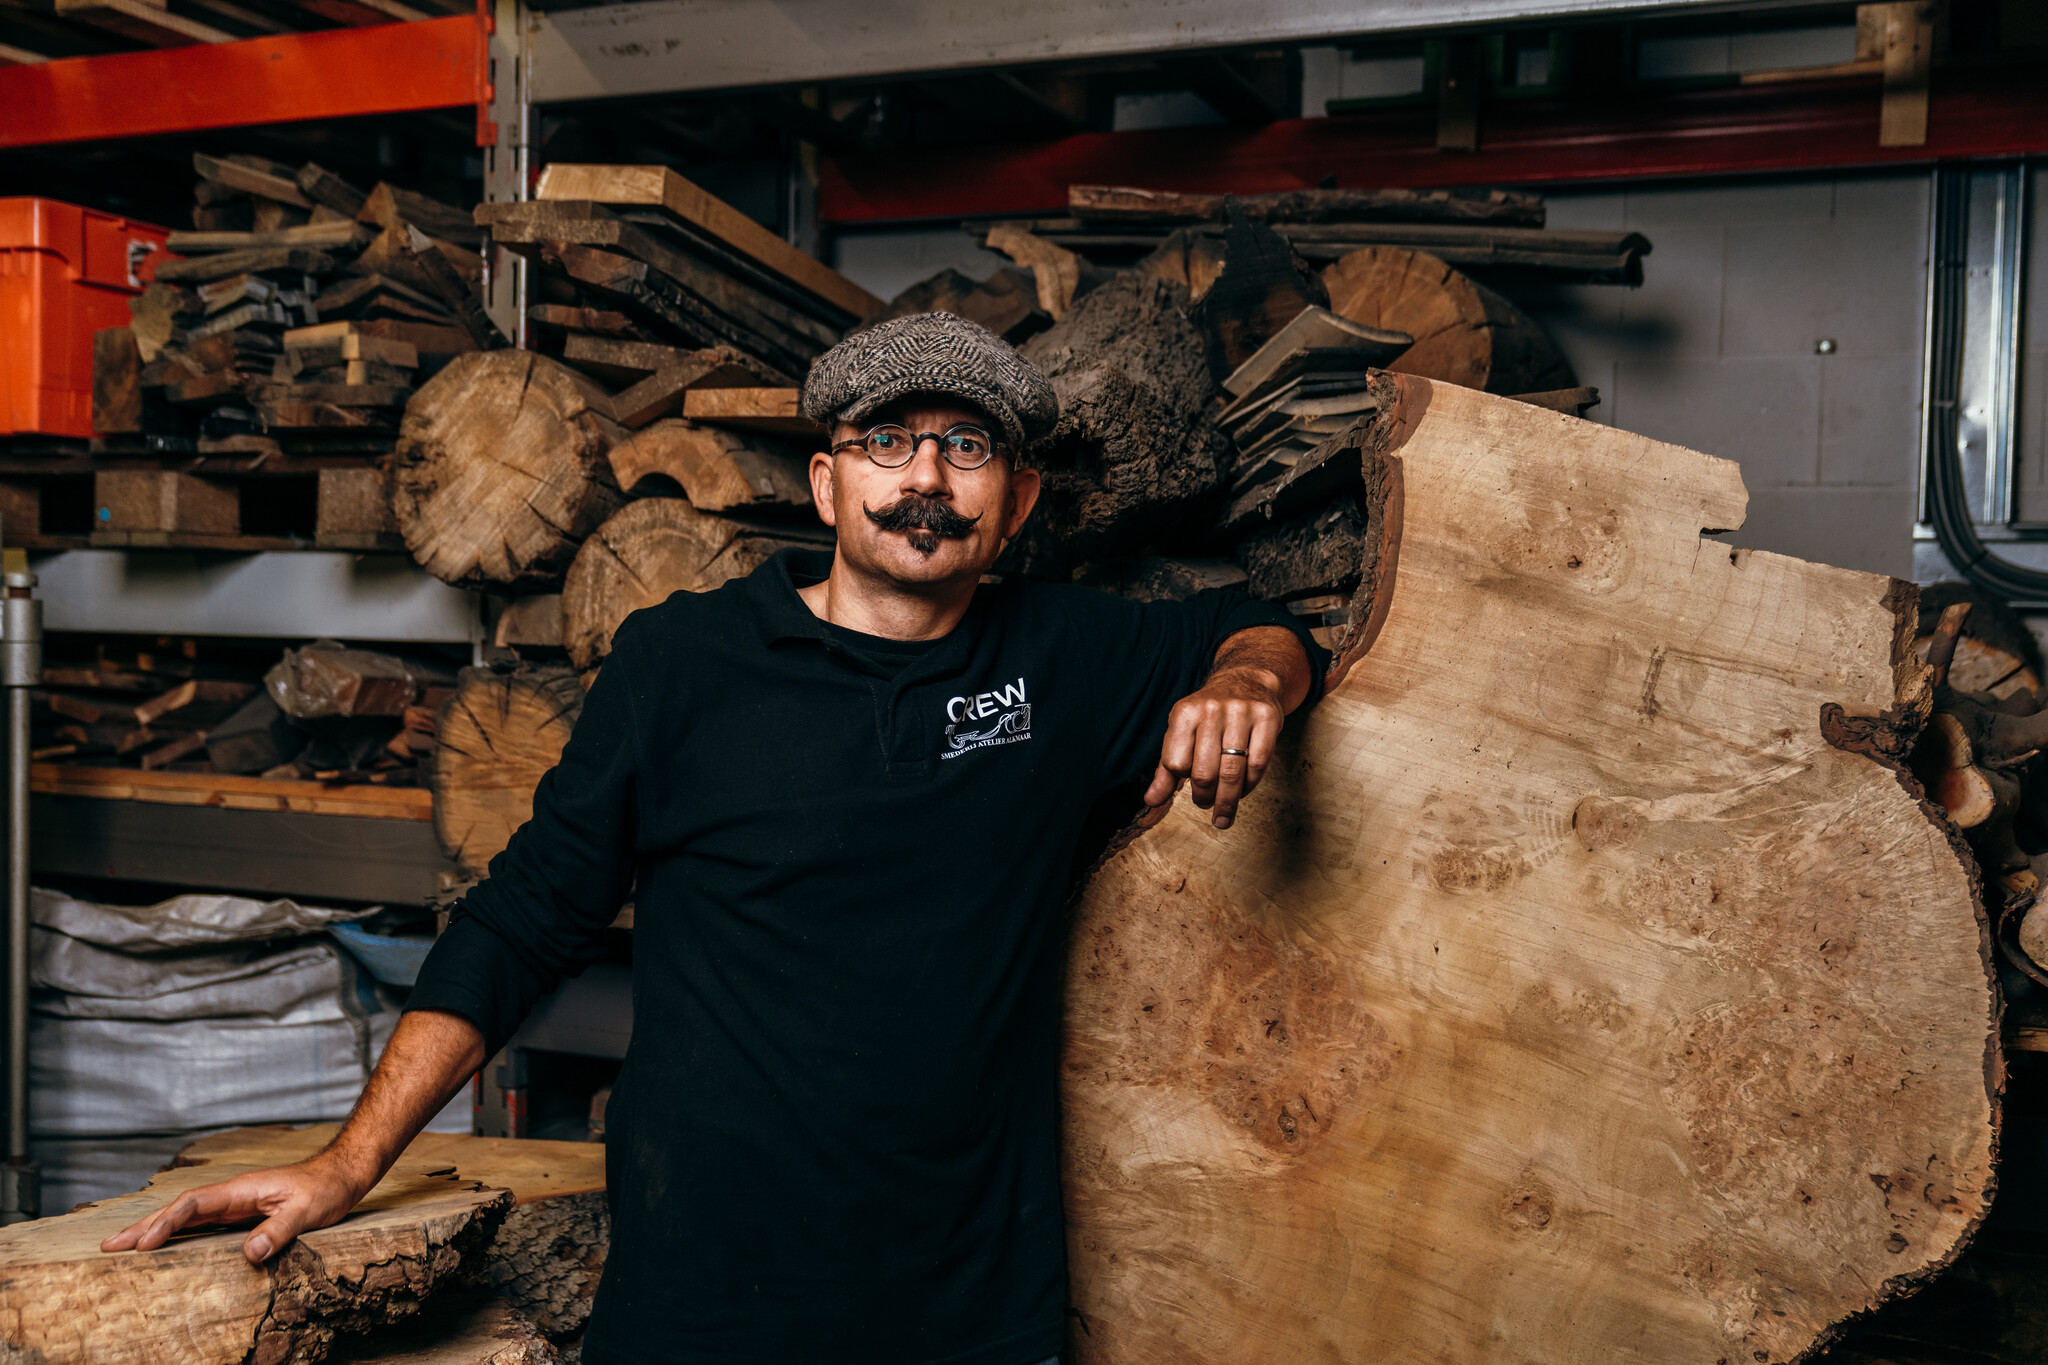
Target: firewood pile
<point>321,712</point>
<point>301,316</point>
<point>1978,757</point>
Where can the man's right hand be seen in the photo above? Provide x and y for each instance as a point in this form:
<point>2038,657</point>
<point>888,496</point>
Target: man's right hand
<point>289,1199</point>
<point>429,1058</point>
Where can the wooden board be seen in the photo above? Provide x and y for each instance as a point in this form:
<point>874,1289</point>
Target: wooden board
<point>230,792</point>
<point>662,187</point>
<point>1563,995</point>
<point>197,1301</point>
<point>770,410</point>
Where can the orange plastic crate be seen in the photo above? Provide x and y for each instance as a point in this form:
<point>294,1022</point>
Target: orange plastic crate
<point>65,272</point>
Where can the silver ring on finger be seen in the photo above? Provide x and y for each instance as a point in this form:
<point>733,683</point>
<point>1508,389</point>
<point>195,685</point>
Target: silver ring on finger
<point>1238,753</point>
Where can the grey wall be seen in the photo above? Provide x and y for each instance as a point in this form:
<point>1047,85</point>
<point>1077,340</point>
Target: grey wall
<point>1718,349</point>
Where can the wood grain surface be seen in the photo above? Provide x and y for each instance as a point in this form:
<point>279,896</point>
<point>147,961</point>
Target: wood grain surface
<point>1563,996</point>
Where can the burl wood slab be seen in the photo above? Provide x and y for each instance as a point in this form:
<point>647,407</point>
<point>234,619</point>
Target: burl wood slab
<point>1564,996</point>
<point>197,1301</point>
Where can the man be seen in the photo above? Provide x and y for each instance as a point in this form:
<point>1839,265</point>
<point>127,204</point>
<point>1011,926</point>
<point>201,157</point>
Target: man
<point>845,794</point>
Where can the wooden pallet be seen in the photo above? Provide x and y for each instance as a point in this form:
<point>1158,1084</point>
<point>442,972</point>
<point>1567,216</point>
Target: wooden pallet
<point>231,793</point>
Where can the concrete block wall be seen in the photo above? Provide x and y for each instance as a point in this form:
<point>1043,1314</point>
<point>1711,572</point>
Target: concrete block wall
<point>1723,347</point>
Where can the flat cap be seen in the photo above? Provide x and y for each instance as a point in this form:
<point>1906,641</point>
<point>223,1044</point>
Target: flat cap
<point>932,353</point>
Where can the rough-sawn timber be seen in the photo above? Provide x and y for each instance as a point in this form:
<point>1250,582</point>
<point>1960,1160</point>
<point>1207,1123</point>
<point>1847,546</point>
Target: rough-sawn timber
<point>1564,995</point>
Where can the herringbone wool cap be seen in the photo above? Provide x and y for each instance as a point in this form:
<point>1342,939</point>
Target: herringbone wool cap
<point>932,353</point>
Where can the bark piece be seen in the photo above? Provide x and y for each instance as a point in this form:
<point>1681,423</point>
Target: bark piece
<point>719,471</point>
<point>197,1301</point>
<point>1006,302</point>
<point>545,1258</point>
<point>1260,289</point>
<point>1135,451</point>
<point>1157,578</point>
<point>457,1329</point>
<point>1559,966</point>
<point>496,738</point>
<point>501,471</point>
<point>1464,332</point>
<point>650,549</point>
<point>1323,552</point>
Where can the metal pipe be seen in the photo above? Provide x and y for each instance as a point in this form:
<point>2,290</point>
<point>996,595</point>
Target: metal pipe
<point>21,668</point>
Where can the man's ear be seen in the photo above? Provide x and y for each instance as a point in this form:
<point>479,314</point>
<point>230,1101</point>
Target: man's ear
<point>821,488</point>
<point>1025,486</point>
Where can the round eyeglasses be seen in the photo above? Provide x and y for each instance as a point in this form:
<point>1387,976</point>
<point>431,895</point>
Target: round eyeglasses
<point>964,446</point>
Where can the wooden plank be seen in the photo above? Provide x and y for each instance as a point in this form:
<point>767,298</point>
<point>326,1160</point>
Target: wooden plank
<point>231,792</point>
<point>1539,1004</point>
<point>145,22</point>
<point>661,187</point>
<point>387,206</point>
<point>164,500</point>
<point>1908,61</point>
<point>1119,203</point>
<point>770,410</point>
<point>787,330</point>
<point>279,183</point>
<point>318,236</point>
<point>199,269</point>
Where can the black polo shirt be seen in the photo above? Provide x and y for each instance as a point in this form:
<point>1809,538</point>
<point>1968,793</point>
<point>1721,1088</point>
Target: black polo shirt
<point>833,1139</point>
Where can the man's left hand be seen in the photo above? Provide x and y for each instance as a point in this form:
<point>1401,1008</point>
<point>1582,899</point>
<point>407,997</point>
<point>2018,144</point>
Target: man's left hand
<point>1222,737</point>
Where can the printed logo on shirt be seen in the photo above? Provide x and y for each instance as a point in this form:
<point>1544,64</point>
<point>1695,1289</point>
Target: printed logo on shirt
<point>987,719</point>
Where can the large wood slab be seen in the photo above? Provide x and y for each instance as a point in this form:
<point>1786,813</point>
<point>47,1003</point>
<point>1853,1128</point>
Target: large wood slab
<point>1564,995</point>
<point>198,1301</point>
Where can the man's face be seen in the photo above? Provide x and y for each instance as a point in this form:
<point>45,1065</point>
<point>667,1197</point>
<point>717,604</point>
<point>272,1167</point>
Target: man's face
<point>925,522</point>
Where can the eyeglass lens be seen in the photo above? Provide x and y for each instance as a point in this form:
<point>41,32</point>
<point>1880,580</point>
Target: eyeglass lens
<point>964,447</point>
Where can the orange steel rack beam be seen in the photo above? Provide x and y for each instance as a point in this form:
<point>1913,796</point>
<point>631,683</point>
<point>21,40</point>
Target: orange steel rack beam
<point>339,73</point>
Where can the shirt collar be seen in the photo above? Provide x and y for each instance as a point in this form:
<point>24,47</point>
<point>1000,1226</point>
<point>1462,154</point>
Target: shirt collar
<point>782,615</point>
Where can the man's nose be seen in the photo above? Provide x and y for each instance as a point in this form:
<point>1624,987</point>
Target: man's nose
<point>926,472</point>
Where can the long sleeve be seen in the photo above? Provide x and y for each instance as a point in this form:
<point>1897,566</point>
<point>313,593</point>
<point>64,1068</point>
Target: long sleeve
<point>542,912</point>
<point>1153,654</point>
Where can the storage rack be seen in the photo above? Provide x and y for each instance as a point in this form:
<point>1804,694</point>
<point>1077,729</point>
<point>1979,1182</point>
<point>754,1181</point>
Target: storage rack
<point>510,61</point>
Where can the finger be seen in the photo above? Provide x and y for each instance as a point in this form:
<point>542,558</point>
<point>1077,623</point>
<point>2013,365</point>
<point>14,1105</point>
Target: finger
<point>1177,750</point>
<point>195,1208</point>
<point>1231,767</point>
<point>1265,734</point>
<point>1155,811</point>
<point>274,1234</point>
<point>153,1231</point>
<point>1208,758</point>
